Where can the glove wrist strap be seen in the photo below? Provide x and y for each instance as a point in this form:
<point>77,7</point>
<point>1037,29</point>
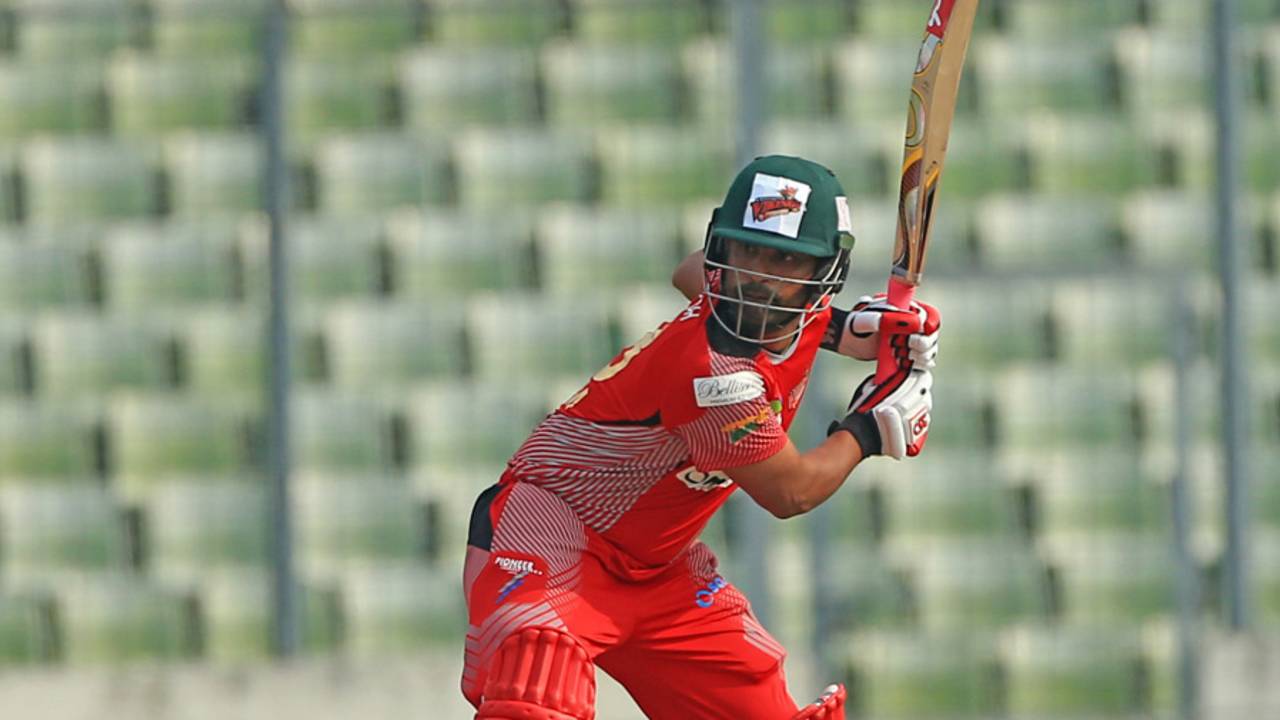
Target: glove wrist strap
<point>863,428</point>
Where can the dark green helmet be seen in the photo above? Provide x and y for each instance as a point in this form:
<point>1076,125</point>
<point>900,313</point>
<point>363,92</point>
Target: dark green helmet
<point>788,204</point>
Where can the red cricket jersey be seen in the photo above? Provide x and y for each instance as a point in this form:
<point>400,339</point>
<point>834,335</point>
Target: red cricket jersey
<point>636,453</point>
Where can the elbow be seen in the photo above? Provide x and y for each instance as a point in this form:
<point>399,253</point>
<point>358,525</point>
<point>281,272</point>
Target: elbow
<point>791,507</point>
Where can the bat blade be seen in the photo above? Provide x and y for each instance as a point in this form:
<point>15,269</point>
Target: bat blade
<point>930,110</point>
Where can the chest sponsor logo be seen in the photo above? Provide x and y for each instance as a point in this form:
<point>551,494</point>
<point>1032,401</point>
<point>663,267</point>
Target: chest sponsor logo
<point>719,390</point>
<point>777,204</point>
<point>695,479</point>
<point>739,429</point>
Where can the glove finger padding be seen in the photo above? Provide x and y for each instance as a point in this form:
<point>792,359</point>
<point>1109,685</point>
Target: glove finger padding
<point>873,315</point>
<point>901,413</point>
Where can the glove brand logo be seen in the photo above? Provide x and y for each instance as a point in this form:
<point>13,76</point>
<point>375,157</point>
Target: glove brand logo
<point>719,390</point>
<point>706,596</point>
<point>777,205</point>
<point>920,424</point>
<point>703,481</point>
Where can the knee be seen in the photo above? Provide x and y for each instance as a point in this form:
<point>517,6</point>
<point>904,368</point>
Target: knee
<point>542,673</point>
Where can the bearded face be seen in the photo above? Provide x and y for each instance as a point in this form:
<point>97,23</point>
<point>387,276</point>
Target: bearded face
<point>762,298</point>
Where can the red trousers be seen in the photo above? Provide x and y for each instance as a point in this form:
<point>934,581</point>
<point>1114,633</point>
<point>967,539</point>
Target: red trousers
<point>683,642</point>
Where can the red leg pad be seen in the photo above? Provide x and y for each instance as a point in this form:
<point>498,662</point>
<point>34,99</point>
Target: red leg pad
<point>540,674</point>
<point>828,707</point>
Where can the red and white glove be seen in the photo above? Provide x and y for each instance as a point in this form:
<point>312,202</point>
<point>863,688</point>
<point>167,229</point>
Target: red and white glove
<point>873,314</point>
<point>891,421</point>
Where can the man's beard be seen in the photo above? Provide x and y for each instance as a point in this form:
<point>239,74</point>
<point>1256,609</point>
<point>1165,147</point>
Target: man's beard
<point>755,321</point>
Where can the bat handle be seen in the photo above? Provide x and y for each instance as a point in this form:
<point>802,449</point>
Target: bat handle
<point>900,295</point>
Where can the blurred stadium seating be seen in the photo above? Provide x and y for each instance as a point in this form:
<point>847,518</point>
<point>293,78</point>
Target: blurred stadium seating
<point>487,198</point>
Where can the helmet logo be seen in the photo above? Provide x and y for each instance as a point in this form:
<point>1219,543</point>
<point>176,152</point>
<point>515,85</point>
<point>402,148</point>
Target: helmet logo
<point>777,204</point>
<point>767,207</point>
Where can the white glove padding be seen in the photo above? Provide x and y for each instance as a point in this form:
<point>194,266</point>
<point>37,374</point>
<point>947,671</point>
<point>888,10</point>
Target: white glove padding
<point>867,319</point>
<point>903,417</point>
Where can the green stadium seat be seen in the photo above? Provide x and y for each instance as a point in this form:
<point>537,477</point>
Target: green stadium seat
<point>194,526</point>
<point>349,521</point>
<point>875,226</point>
<point>1030,232</point>
<point>150,267</point>
<point>1018,75</point>
<point>448,494</point>
<point>226,349</point>
<point>794,83</point>
<point>15,354</point>
<point>501,168</point>
<point>1169,230</point>
<point>87,178</point>
<point>120,617</point>
<point>446,88</point>
<point>27,633</point>
<point>650,22</point>
<point>37,276</point>
<point>389,345</point>
<point>588,85</point>
<point>490,23</point>
<point>517,335</point>
<point>1048,406</point>
<point>45,97</point>
<point>1184,16</point>
<point>1270,55</point>
<point>1162,71</point>
<point>1115,578</point>
<point>1158,388</point>
<point>787,25</point>
<point>341,432</point>
<point>154,437</point>
<point>953,496</point>
<point>332,95</point>
<point>908,674</point>
<point>153,93</point>
<point>871,76</point>
<point>1053,671</point>
<point>1078,493</point>
<point>1266,336</point>
<point>197,27</point>
<point>75,29</point>
<point>854,160</point>
<point>1049,18</point>
<point>495,420</point>
<point>964,415</point>
<point>1089,154</point>
<point>892,19</point>
<point>643,165</point>
<point>1189,138</point>
<point>428,260</point>
<point>375,172</point>
<point>47,442</point>
<point>1161,659</point>
<point>329,257</point>
<point>977,582</point>
<point>77,354</point>
<point>337,28</point>
<point>582,249</point>
<point>212,173</point>
<point>236,604</point>
<point>393,608</point>
<point>1116,320</point>
<point>52,532</point>
<point>1266,568</point>
<point>865,592</point>
<point>642,308</point>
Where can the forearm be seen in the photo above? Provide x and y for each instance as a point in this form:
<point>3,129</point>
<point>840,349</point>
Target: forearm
<point>822,471</point>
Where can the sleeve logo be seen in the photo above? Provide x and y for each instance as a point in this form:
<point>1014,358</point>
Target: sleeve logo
<point>719,390</point>
<point>739,429</point>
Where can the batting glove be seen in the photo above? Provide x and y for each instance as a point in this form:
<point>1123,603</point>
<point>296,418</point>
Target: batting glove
<point>891,421</point>
<point>873,315</point>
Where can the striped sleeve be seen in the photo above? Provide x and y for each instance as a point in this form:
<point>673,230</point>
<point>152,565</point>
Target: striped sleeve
<point>722,436</point>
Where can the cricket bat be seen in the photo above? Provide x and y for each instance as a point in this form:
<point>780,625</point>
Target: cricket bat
<point>931,110</point>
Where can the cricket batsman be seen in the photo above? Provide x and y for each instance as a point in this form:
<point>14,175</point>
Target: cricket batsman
<point>585,553</point>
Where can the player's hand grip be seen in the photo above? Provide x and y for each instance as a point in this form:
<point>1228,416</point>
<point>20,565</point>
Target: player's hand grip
<point>901,295</point>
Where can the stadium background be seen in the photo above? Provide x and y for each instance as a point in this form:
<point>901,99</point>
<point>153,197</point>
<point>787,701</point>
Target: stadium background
<point>484,201</point>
